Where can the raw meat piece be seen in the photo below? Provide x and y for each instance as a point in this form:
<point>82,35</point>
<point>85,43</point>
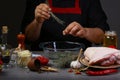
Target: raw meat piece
<point>102,56</point>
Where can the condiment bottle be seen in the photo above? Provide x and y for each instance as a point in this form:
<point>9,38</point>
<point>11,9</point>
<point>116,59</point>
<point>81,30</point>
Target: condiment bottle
<point>110,39</point>
<point>21,40</point>
<point>4,37</point>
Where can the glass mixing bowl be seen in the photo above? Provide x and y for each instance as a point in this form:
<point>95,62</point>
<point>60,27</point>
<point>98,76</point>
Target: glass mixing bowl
<point>61,53</point>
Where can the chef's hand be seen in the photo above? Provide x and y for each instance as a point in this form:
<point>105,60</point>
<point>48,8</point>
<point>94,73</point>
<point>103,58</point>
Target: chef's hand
<point>75,29</point>
<point>42,12</point>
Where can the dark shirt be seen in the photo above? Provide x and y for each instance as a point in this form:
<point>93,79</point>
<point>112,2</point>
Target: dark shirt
<point>88,13</point>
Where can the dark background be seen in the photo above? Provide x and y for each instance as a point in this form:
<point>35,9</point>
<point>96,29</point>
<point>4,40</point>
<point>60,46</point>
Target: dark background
<point>11,13</point>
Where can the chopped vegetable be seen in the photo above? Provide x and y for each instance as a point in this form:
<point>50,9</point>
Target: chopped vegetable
<point>70,70</point>
<point>77,72</point>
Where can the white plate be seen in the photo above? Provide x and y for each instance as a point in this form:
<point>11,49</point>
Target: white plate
<point>85,62</point>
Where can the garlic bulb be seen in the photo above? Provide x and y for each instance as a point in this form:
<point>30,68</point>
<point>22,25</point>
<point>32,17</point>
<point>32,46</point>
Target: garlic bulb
<point>75,64</point>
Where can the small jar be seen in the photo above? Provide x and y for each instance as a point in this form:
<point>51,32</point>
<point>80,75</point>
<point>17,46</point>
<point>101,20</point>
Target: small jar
<point>23,57</point>
<point>110,39</point>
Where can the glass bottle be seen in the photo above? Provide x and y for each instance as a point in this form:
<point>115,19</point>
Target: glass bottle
<point>4,37</point>
<point>4,48</point>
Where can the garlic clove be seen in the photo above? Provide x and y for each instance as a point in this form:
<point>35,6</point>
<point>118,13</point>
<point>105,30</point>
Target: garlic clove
<point>75,64</point>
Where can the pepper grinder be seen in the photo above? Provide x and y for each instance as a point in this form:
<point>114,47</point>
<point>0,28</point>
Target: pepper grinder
<point>21,39</point>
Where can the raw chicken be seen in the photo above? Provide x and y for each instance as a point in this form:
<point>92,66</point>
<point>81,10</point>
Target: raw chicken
<point>103,56</point>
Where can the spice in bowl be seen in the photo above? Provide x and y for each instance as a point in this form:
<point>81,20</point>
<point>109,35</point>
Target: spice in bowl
<point>23,58</point>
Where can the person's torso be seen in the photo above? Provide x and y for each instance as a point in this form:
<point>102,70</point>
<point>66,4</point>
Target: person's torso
<point>68,11</point>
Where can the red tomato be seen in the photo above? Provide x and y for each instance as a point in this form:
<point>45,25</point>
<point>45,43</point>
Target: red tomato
<point>43,60</point>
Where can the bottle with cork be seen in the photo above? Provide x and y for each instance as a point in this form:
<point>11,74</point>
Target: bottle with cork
<point>4,37</point>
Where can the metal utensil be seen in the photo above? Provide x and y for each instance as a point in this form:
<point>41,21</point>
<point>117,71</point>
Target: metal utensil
<point>55,17</point>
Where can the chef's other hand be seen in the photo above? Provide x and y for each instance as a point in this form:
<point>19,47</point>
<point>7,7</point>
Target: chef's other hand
<point>75,29</point>
<point>42,12</point>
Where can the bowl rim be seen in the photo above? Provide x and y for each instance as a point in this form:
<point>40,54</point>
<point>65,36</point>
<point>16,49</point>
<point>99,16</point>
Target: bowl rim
<point>69,49</point>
